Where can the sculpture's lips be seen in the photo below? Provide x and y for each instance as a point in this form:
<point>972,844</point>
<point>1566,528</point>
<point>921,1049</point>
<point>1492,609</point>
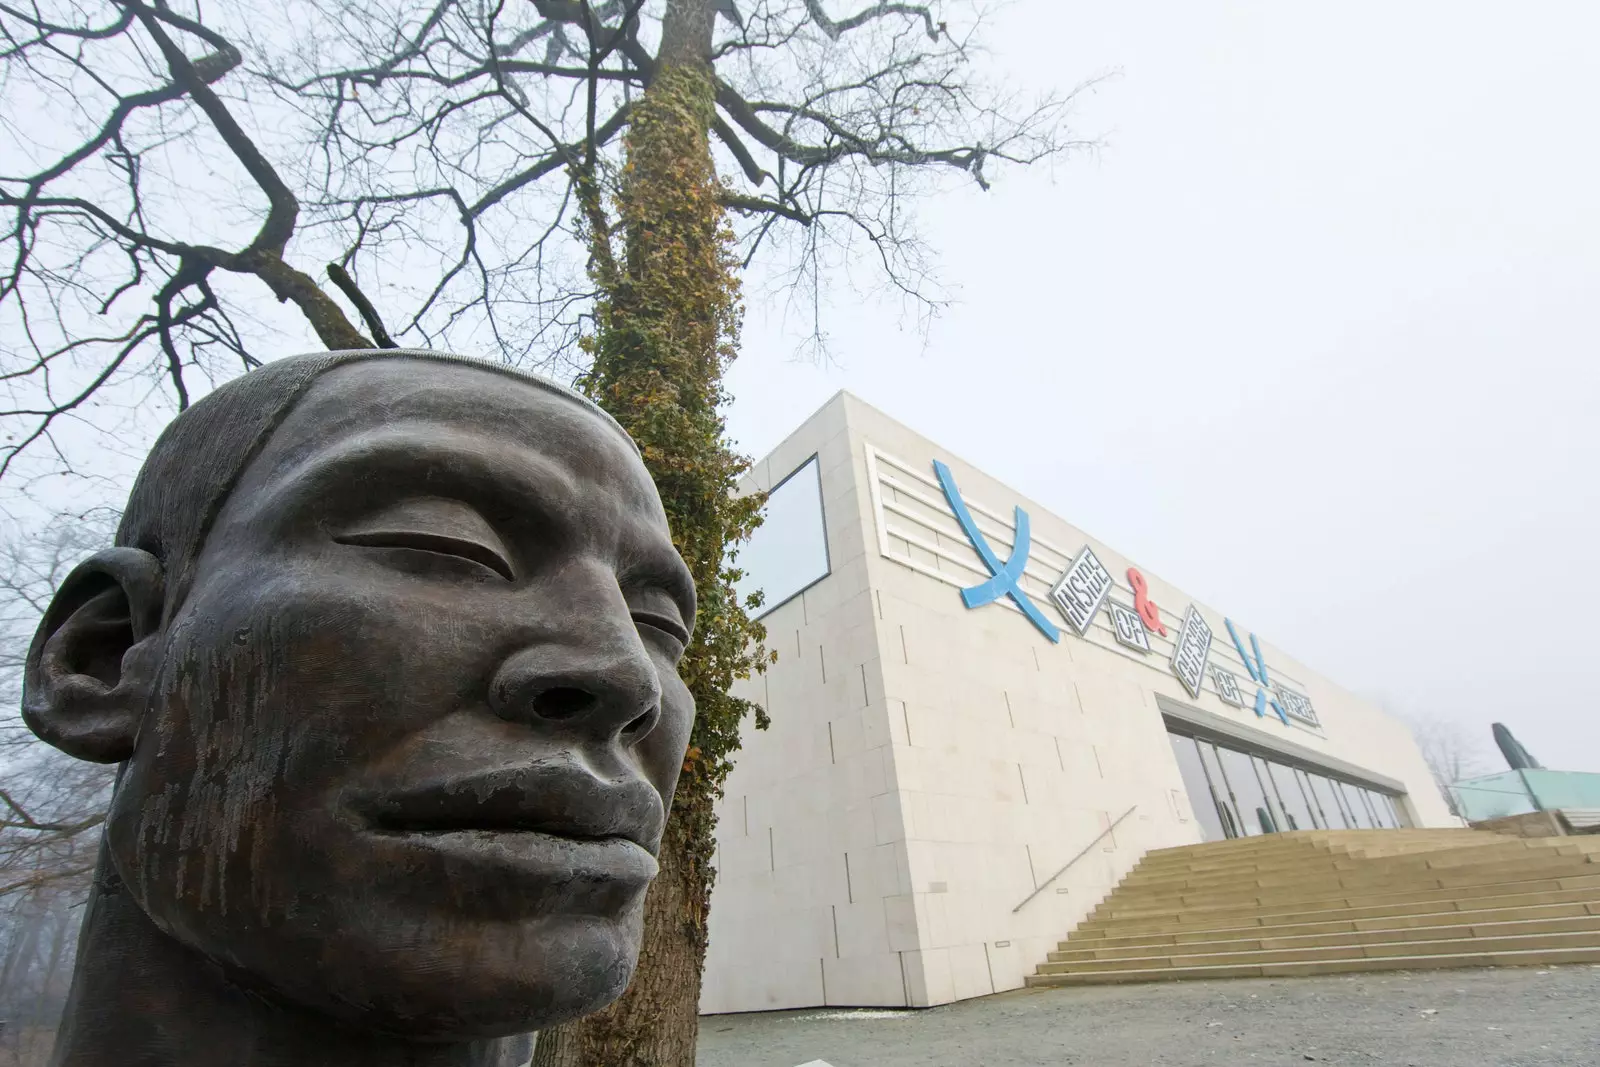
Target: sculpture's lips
<point>556,799</point>
<point>601,872</point>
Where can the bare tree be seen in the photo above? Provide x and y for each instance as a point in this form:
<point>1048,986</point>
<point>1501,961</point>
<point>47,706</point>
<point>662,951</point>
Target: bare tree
<point>122,159</point>
<point>469,163</point>
<point>479,120</point>
<point>1451,753</point>
<point>51,807</point>
<point>166,170</point>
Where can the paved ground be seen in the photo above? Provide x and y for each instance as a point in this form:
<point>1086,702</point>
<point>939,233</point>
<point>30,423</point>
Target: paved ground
<point>1513,1017</point>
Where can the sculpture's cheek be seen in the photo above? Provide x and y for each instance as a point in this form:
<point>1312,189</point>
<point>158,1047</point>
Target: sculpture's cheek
<point>279,691</point>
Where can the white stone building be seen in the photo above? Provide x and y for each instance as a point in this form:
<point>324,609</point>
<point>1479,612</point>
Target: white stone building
<point>946,790</point>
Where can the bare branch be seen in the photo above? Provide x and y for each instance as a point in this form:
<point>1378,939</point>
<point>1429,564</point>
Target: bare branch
<point>464,153</point>
<point>369,314</point>
<point>730,141</point>
<point>755,205</point>
<point>838,29</point>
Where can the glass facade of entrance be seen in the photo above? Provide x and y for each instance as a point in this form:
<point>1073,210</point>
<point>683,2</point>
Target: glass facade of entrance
<point>1241,794</point>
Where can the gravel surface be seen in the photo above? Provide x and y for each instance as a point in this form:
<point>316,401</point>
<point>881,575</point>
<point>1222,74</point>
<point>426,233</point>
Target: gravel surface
<point>1513,1017</point>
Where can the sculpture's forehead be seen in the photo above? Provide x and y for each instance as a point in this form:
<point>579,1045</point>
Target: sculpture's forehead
<point>441,404</point>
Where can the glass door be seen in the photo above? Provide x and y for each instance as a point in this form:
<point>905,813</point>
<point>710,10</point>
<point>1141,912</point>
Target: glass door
<point>1201,800</point>
<point>1370,808</point>
<point>1274,802</point>
<point>1344,805</point>
<point>1241,794</point>
<point>1297,813</point>
<point>1249,799</point>
<point>1352,800</point>
<point>1318,819</point>
<point>1232,824</point>
<point>1328,802</point>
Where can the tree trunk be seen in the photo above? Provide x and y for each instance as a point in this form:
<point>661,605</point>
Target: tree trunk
<point>686,33</point>
<point>666,329</point>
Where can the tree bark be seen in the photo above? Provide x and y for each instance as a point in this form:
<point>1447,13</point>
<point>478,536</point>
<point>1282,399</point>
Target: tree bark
<point>666,329</point>
<point>686,32</point>
<point>288,284</point>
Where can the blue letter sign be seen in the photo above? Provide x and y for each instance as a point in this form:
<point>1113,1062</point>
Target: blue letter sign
<point>1005,576</point>
<point>1258,673</point>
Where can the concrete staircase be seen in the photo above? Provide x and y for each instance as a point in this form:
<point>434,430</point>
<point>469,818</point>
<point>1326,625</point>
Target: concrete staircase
<point>1328,902</point>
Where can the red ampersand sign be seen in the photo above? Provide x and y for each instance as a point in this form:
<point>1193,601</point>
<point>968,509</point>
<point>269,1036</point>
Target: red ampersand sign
<point>1147,609</point>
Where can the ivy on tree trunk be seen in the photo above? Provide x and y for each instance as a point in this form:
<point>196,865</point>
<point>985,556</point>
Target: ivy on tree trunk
<point>666,329</point>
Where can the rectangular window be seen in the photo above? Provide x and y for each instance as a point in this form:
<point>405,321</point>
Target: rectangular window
<point>788,553</point>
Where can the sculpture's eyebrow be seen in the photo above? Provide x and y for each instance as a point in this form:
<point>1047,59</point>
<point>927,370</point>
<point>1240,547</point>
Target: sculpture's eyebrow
<point>480,469</point>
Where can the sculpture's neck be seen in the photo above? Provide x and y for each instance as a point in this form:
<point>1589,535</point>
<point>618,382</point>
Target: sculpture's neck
<point>139,999</point>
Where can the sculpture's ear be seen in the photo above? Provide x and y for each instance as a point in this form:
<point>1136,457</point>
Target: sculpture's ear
<point>91,663</point>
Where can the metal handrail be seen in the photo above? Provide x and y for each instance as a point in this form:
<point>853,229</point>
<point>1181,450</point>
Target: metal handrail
<point>1085,851</point>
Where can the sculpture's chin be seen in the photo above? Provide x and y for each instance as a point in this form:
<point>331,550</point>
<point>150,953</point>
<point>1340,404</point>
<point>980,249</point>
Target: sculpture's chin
<point>452,979</point>
<point>515,1006</point>
<point>482,984</point>
<point>419,952</point>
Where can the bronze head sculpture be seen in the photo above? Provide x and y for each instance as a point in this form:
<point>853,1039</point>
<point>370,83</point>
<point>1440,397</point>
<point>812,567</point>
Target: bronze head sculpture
<point>387,650</point>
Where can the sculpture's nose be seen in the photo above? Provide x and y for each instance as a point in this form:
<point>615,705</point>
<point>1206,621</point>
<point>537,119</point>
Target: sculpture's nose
<point>600,684</point>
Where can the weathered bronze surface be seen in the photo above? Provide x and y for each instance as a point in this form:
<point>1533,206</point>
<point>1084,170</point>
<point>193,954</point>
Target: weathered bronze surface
<point>388,653</point>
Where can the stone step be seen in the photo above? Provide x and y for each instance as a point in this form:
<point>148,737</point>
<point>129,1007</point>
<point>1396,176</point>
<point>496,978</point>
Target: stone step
<point>1362,950</point>
<point>1271,901</point>
<point>1270,940</point>
<point>1278,862</point>
<point>1316,882</point>
<point>1266,844</point>
<point>1233,850</point>
<point>1079,939</point>
<point>1502,849</point>
<point>1332,902</point>
<point>1403,834</point>
<point>1287,870</point>
<point>1532,958</point>
<point>1364,871</point>
<point>1335,910</point>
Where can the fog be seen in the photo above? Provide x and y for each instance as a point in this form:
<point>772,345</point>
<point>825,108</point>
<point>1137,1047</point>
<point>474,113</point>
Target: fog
<point>1312,335</point>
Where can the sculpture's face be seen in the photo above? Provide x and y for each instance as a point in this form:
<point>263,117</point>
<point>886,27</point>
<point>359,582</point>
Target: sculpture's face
<point>419,720</point>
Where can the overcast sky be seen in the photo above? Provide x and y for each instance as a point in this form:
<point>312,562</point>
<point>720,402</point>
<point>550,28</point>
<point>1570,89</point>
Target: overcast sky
<point>1313,336</point>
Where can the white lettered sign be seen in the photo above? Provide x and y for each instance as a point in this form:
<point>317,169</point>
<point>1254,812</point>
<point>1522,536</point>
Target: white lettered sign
<point>1082,590</point>
<point>1296,706</point>
<point>1227,687</point>
<point>1190,651</point>
<point>1129,627</point>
